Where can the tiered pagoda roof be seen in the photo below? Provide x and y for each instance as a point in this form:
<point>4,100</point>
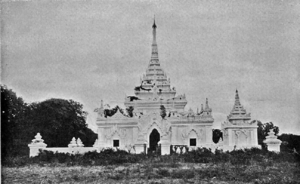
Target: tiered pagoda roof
<point>238,112</point>
<point>155,87</point>
<point>155,91</point>
<point>155,76</point>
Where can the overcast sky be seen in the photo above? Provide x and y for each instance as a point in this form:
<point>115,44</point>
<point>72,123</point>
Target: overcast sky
<point>90,50</point>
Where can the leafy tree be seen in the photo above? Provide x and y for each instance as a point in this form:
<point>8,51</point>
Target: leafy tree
<point>130,111</point>
<point>13,111</point>
<point>263,130</point>
<point>59,120</point>
<point>217,134</point>
<point>290,142</point>
<point>163,112</point>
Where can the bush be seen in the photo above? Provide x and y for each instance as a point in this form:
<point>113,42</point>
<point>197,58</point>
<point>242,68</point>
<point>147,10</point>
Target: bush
<point>105,157</point>
<point>16,161</point>
<point>164,172</point>
<point>200,155</point>
<point>221,157</point>
<point>209,173</point>
<point>183,174</point>
<point>113,157</point>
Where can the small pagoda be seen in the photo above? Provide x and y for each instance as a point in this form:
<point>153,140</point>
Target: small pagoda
<point>273,144</point>
<point>238,131</point>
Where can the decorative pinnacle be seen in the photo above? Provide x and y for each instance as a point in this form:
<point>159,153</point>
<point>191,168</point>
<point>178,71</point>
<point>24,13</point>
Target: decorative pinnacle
<point>237,98</point>
<point>101,106</point>
<point>154,53</point>
<point>154,25</point>
<point>206,104</point>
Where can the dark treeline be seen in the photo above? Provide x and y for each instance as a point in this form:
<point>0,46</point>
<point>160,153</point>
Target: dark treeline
<point>57,120</point>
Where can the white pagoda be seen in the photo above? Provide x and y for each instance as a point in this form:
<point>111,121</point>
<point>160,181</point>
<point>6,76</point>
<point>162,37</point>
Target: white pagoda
<point>147,131</point>
<point>238,131</point>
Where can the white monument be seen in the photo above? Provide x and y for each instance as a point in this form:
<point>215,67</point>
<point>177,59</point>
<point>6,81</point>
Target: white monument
<point>273,144</point>
<point>238,131</point>
<point>36,145</point>
<point>147,130</point>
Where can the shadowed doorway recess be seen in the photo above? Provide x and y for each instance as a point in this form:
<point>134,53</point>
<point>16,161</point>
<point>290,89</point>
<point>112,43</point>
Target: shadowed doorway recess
<point>154,139</point>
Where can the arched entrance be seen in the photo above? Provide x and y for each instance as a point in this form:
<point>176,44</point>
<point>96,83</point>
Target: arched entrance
<point>154,138</point>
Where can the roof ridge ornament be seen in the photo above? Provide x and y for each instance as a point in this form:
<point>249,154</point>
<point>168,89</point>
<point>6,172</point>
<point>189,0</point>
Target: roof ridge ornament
<point>206,104</point>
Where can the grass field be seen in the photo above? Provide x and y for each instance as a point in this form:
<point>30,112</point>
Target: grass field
<point>201,166</point>
<point>154,173</point>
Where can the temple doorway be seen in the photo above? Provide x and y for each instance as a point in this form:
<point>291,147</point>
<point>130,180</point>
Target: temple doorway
<point>154,138</point>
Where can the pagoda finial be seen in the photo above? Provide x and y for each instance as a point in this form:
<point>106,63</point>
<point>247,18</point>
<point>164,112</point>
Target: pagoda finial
<point>101,106</point>
<point>237,98</point>
<point>154,32</point>
<point>154,25</point>
<point>154,52</point>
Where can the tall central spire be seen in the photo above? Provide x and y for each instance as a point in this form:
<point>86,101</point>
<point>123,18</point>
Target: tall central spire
<point>155,85</point>
<point>154,54</point>
<point>154,32</point>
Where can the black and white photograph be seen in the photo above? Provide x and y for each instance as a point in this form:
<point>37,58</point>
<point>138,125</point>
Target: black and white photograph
<point>150,91</point>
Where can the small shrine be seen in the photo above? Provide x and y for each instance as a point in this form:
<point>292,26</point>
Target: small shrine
<point>273,144</point>
<point>238,131</point>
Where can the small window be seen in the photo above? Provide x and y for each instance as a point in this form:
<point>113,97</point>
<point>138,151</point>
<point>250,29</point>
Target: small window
<point>116,143</point>
<point>192,142</point>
